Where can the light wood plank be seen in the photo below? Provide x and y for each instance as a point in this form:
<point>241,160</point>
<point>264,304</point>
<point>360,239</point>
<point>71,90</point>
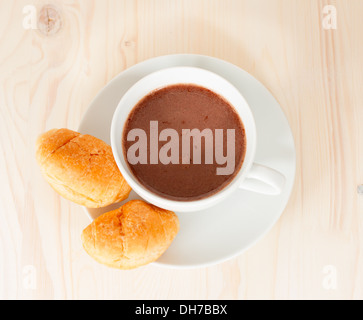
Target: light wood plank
<point>316,75</point>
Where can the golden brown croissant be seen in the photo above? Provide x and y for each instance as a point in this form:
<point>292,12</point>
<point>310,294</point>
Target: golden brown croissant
<point>132,236</point>
<point>81,168</point>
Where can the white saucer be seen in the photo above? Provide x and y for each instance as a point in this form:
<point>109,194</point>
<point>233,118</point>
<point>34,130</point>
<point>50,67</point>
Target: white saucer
<point>228,229</point>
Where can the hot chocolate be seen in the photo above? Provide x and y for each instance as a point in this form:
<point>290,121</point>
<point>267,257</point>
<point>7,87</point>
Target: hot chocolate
<point>184,142</point>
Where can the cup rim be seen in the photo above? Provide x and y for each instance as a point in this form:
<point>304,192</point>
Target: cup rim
<point>117,128</point>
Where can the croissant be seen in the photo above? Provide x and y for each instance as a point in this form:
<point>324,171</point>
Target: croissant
<point>132,236</point>
<point>81,168</point>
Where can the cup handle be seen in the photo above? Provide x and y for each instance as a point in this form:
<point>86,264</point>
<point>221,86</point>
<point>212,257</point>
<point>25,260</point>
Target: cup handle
<point>264,180</point>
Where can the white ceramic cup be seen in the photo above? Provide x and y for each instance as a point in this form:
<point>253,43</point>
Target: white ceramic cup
<point>252,176</point>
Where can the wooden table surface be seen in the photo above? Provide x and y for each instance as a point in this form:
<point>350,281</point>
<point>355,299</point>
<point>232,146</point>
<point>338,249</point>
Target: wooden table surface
<point>55,59</point>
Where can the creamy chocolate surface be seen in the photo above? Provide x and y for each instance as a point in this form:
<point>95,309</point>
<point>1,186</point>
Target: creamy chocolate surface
<point>181,107</point>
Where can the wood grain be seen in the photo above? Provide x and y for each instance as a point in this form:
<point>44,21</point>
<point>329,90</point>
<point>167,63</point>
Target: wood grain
<point>48,80</point>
